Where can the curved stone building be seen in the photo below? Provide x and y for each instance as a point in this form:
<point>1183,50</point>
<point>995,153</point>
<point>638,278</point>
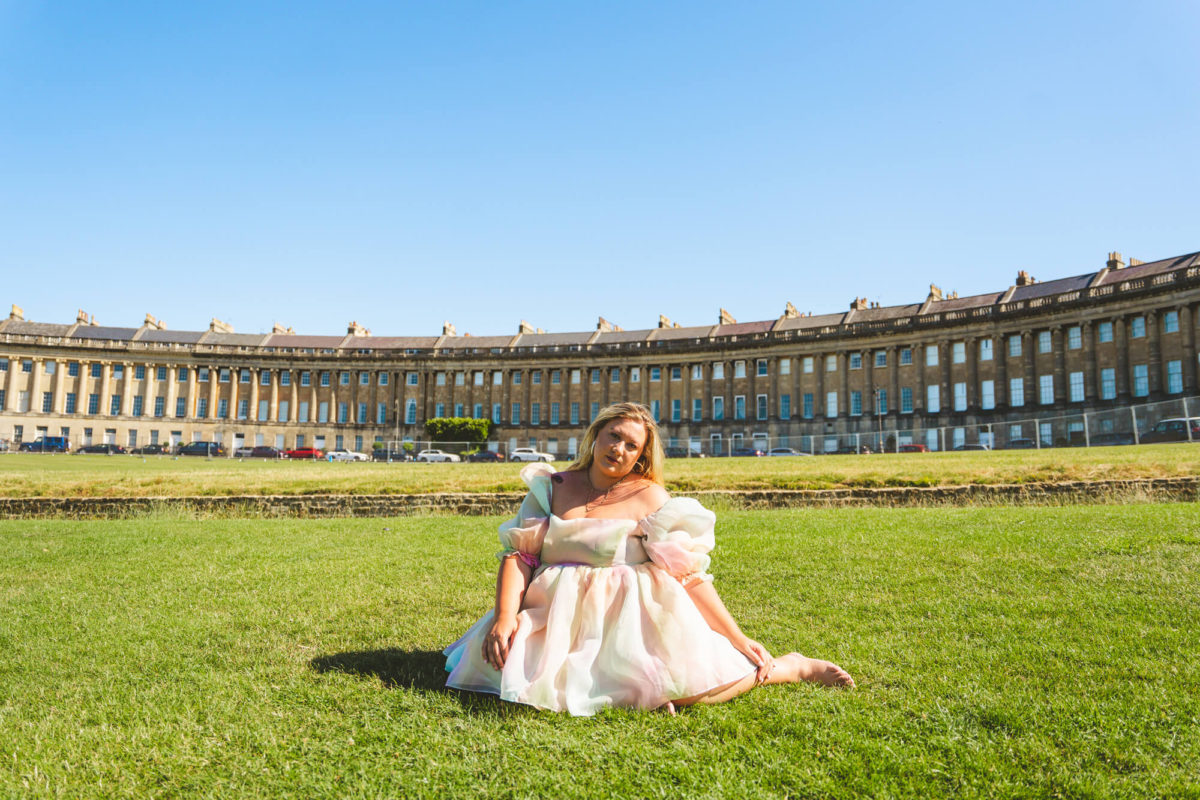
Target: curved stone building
<point>1050,350</point>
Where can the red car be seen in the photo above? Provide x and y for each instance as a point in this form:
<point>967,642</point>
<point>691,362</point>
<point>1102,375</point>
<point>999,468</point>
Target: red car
<point>304,452</point>
<point>914,448</point>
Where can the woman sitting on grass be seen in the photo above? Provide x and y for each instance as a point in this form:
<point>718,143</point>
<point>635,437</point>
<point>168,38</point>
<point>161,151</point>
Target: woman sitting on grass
<point>603,598</point>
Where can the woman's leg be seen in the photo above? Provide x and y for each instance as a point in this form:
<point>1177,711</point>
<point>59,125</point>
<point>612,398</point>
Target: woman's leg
<point>791,668</point>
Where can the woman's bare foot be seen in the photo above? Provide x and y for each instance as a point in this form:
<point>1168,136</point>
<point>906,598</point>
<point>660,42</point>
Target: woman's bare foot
<point>794,667</point>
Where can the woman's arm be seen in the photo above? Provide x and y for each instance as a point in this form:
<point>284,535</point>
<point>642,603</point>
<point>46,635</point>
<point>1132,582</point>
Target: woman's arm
<point>511,582</point>
<point>720,620</point>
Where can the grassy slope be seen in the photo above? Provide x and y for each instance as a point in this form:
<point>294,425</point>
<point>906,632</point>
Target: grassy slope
<point>25,475</point>
<point>999,652</point>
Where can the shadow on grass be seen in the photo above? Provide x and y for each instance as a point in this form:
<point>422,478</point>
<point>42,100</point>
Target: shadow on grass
<point>420,670</point>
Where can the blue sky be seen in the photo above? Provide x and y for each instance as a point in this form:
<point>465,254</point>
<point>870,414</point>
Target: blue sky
<point>401,164</point>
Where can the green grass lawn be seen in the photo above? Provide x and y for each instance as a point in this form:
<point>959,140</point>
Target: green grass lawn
<point>36,475</point>
<point>999,652</point>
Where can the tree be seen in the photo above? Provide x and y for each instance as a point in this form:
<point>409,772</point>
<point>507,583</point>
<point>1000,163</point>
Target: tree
<point>458,429</point>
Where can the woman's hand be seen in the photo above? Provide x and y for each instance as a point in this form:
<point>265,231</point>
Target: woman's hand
<point>761,659</point>
<point>498,640</point>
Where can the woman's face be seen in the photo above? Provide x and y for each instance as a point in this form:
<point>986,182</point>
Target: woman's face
<point>618,446</point>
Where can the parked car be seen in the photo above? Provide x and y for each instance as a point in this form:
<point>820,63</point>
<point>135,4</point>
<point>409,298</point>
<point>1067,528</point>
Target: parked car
<point>46,444</point>
<point>108,449</point>
<point>675,452</point>
<point>913,448</point>
<point>486,457</point>
<point>1106,439</point>
<point>747,451</point>
<point>266,451</point>
<point>201,449</point>
<point>431,456</point>
<point>243,452</point>
<point>342,454</point>
<point>1022,444</point>
<point>151,450</point>
<point>313,453</point>
<point>529,454</point>
<point>785,451</point>
<point>392,455</point>
<point>973,446</point>
<point>1169,430</point>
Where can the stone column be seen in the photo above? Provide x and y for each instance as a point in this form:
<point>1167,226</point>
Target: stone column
<point>234,388</point>
<point>971,345</point>
<point>273,409</point>
<point>1158,386</point>
<point>1091,374</point>
<point>1059,349</point>
<point>870,406</point>
<point>172,391</point>
<point>893,357</point>
<point>10,396</point>
<point>127,391</point>
<point>945,393</point>
<point>1187,331</point>
<point>255,380</point>
<point>60,378</point>
<point>190,410</point>
<point>1121,342</point>
<point>214,391</point>
<point>843,362</point>
<point>35,386</point>
<point>819,389</point>
<point>1030,356</point>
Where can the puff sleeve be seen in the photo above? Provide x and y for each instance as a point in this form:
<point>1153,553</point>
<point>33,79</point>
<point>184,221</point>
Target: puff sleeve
<point>523,534</point>
<point>679,537</point>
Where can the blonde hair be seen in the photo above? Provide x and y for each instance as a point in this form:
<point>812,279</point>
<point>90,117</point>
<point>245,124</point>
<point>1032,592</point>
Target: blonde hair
<point>649,463</point>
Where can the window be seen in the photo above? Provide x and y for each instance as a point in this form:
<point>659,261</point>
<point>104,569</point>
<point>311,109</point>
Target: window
<point>1014,345</point>
<point>575,413</point>
<point>575,376</point>
<point>384,378</point>
<point>264,410</point>
<point>739,407</point>
<point>535,413</point>
<point>1016,391</point>
<point>439,410</point>
<point>343,378</point>
<point>1137,327</point>
<point>1108,384</point>
<point>497,413</point>
<point>635,374</point>
<point>343,413</point>
<point>760,403</point>
<point>831,363</point>
<point>785,406</point>
<point>760,367</point>
<point>1074,337</point>
<point>223,375</point>
<point>697,409</point>
<point>856,361</point>
<point>718,406</point>
<point>305,378</point>
<point>458,409</point>
<point>1171,322</point>
<point>477,377</point>
<point>202,409</point>
<point>243,376</point>
<point>785,366</point>
<point>410,378</point>
<point>596,376</point>
<point>718,370</point>
<point>139,372</point>
<point>285,377</point>
<point>614,375</point>
<point>595,412</point>
<point>655,374</point>
<point>905,356</point>
<point>906,400</point>
<point>1046,389</point>
<point>806,364</point>
<point>497,378</point>
<point>856,404</point>
<point>71,400</point>
<point>243,409</point>
<point>987,395</point>
<point>697,372</point>
<point>739,369</point>
<point>806,405</point>
<point>361,419</point>
<point>1104,332</point>
<point>264,377</point>
<point>160,406</point>
<point>1174,377</point>
<point>536,377</point>
<point>410,412</point>
<point>324,379</point>
<point>960,397</point>
<point>1044,341</point>
<point>1075,386</point>
<point>831,408</point>
<point>97,369</point>
<point>933,399</point>
<point>47,402</point>
<point>554,413</point>
<point>460,379</point>
<point>223,408</point>
<point>440,379</point>
<point>655,410</point>
<point>302,411</point>
<point>958,352</point>
<point>555,377</point>
<point>985,349</point>
<point>477,411</point>
<point>676,373</point>
<point>931,355</point>
<point>114,405</point>
<point>881,358</point>
<point>514,417</point>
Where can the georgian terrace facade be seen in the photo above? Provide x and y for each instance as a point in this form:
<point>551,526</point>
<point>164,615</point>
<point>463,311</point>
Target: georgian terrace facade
<point>1123,334</point>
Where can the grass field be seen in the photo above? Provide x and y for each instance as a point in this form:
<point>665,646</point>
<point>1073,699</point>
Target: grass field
<point>1034,652</point>
<point>35,475</point>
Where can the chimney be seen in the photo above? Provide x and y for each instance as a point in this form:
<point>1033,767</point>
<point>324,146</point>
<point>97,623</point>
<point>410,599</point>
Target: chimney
<point>448,329</point>
<point>216,326</point>
<point>279,327</point>
<point>1114,261</point>
<point>1025,279</point>
<point>156,324</point>
<point>354,329</point>
<point>858,304</point>
<point>525,327</point>
<point>604,326</point>
<point>1136,262</point>
<point>17,312</point>
<point>726,318</point>
<point>935,292</point>
<point>663,322</point>
<point>81,317</point>
<point>790,312</point>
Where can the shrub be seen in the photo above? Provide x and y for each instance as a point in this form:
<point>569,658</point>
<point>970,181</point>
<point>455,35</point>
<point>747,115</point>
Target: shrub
<point>458,429</point>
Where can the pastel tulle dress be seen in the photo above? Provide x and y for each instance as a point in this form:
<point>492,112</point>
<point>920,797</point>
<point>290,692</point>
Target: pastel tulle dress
<point>605,620</point>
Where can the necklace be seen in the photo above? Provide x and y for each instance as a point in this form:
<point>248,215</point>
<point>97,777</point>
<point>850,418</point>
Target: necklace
<point>596,498</point>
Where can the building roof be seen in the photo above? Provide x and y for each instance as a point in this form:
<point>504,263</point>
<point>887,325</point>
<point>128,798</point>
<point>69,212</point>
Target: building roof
<point>405,342</point>
<point>744,328</point>
<point>811,321</point>
<point>295,340</point>
<point>552,339</point>
<point>670,334</point>
<point>235,339</point>
<point>960,303</point>
<point>487,342</point>
<point>104,332</point>
<point>22,328</point>
<point>173,337</point>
